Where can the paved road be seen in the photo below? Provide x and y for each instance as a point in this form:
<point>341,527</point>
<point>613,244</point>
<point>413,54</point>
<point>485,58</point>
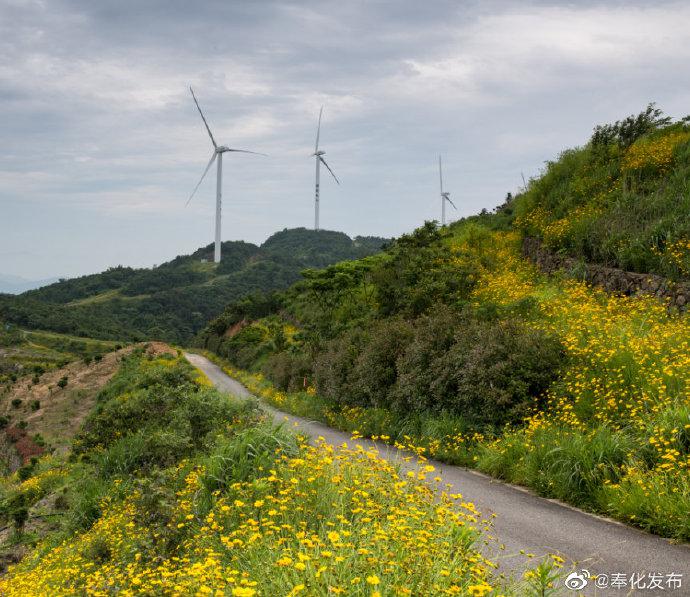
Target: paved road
<point>523,521</point>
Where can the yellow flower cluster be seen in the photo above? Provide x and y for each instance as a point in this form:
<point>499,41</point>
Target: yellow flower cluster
<point>629,359</point>
<point>654,153</point>
<point>327,521</point>
<point>678,253</point>
<point>509,278</point>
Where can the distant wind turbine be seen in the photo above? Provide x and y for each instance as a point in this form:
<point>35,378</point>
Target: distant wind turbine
<point>444,196</point>
<point>218,151</point>
<point>318,154</point>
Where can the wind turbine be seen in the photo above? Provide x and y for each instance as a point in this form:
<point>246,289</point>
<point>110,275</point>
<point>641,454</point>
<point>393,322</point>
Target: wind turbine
<point>444,196</point>
<point>318,154</point>
<point>218,151</point>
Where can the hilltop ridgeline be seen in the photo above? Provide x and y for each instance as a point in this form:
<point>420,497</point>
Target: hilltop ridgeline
<point>173,301</point>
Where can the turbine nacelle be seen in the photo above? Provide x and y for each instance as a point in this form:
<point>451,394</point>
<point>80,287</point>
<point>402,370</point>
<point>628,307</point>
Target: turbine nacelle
<point>320,152</point>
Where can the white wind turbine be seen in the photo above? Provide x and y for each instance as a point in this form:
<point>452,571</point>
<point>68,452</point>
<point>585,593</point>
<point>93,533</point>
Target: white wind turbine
<point>218,151</point>
<point>444,196</point>
<point>318,154</point>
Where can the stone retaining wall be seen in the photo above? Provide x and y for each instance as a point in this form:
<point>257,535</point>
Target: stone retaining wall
<point>610,279</point>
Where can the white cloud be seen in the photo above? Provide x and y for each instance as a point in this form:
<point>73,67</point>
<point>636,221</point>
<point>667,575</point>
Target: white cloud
<point>531,50</point>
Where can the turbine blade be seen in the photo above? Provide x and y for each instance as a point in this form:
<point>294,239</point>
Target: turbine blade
<point>440,173</point>
<point>210,134</point>
<point>247,151</point>
<point>198,184</point>
<point>449,201</point>
<point>329,169</point>
<point>318,131</point>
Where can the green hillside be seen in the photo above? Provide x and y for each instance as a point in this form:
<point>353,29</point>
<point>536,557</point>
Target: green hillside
<point>451,341</point>
<point>175,300</point>
<point>622,200</point>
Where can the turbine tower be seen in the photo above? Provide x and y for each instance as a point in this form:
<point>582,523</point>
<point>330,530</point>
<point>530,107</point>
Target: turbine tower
<point>318,154</point>
<point>444,196</point>
<point>218,151</point>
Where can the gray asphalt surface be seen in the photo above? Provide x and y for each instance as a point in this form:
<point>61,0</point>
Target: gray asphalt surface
<point>522,520</point>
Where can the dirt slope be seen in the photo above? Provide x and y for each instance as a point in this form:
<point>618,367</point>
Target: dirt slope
<point>54,412</point>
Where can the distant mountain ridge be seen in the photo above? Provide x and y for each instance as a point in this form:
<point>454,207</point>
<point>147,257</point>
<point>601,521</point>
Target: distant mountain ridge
<point>174,300</point>
<point>10,284</point>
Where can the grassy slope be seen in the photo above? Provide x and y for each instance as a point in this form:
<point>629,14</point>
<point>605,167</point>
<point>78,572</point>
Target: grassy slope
<point>205,497</point>
<point>174,301</point>
<point>624,207</point>
<point>612,431</point>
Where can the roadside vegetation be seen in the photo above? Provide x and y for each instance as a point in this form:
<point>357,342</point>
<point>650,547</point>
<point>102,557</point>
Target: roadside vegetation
<point>452,344</point>
<point>174,488</point>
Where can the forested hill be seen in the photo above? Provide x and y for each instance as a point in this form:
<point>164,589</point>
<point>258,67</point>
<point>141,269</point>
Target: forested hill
<point>173,301</point>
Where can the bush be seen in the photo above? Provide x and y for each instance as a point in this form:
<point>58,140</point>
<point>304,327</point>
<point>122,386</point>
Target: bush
<point>495,373</point>
<point>140,452</point>
<point>488,372</point>
<point>287,370</point>
<point>375,369</point>
<point>35,405</point>
<point>62,383</point>
<point>16,402</point>
<point>417,366</point>
<point>334,365</point>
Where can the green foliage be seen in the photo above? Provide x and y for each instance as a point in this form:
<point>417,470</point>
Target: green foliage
<point>161,417</point>
<point>420,273</point>
<point>248,455</point>
<point>288,369</point>
<point>488,372</point>
<point>625,132</point>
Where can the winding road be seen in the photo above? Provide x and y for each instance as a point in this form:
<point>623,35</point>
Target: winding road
<point>524,522</point>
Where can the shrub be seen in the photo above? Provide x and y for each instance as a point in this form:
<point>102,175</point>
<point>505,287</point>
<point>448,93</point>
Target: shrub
<point>417,375</point>
<point>334,364</point>
<point>494,373</point>
<point>375,368</point>
<point>288,370</point>
<point>35,405</point>
<point>62,383</point>
<point>19,517</point>
<point>140,452</point>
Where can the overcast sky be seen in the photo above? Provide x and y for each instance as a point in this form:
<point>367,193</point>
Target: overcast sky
<point>100,142</point>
